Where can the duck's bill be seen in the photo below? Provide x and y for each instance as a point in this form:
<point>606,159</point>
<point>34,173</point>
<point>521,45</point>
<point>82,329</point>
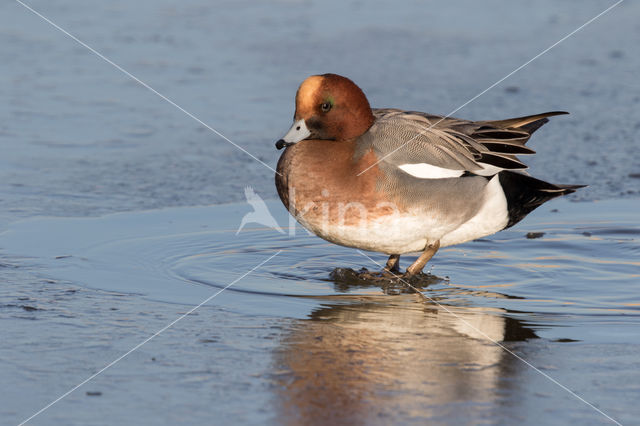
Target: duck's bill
<point>282,144</point>
<point>296,133</point>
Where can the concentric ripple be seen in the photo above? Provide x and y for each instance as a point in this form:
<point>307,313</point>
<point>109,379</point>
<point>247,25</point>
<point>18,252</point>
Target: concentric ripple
<point>570,261</point>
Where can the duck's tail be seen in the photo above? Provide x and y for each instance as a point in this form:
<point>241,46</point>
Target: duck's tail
<point>525,193</point>
<point>529,123</point>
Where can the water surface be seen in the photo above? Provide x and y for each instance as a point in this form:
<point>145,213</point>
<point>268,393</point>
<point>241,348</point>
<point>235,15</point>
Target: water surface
<point>371,356</point>
<point>81,286</point>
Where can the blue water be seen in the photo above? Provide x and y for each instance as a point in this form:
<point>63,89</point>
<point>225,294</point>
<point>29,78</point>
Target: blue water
<point>118,214</point>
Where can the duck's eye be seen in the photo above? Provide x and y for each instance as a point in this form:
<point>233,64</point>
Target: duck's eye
<point>326,106</point>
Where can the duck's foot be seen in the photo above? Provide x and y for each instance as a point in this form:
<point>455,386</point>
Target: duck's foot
<point>346,279</point>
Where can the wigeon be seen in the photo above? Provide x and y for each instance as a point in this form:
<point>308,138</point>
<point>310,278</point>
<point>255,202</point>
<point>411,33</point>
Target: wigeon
<point>397,182</point>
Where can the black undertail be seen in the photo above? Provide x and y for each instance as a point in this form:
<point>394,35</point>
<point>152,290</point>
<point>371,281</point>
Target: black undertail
<point>525,193</point>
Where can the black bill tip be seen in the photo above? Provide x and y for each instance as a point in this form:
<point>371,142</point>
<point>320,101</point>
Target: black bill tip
<point>282,144</point>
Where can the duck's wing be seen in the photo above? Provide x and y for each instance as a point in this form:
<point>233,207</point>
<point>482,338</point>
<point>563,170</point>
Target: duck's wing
<point>431,146</point>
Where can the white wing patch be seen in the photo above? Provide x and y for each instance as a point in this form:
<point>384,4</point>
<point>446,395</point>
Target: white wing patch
<point>428,171</point>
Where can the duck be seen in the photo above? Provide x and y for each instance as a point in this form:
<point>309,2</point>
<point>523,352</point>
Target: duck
<point>396,182</point>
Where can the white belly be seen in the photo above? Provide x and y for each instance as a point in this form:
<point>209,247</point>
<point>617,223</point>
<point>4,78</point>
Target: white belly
<point>392,235</point>
<point>400,233</point>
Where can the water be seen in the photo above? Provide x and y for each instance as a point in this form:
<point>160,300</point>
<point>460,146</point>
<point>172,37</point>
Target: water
<point>80,141</point>
<point>318,343</point>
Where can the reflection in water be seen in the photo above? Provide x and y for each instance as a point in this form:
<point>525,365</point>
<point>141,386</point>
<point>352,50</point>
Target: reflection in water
<point>385,358</point>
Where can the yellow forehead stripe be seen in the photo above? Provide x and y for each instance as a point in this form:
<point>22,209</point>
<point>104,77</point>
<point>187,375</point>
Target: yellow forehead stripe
<point>309,92</point>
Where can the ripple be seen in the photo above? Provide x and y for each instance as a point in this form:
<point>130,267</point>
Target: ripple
<point>582,267</point>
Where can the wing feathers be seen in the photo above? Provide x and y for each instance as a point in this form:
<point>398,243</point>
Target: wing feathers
<point>507,148</point>
<point>502,162</point>
<point>518,122</point>
<point>410,137</point>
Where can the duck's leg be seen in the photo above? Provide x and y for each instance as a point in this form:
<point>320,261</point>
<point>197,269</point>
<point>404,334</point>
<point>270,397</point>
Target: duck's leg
<point>393,264</point>
<point>426,255</point>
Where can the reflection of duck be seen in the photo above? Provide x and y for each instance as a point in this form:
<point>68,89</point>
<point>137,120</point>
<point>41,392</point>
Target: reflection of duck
<point>380,362</point>
<point>260,213</point>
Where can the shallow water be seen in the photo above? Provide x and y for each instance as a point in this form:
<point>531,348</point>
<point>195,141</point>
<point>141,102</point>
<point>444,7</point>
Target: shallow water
<point>370,356</point>
<point>81,286</point>
<point>80,138</point>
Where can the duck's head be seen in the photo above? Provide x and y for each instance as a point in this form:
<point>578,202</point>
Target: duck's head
<point>329,107</point>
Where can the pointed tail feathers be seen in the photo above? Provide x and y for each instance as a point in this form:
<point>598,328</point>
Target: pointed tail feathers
<point>525,193</point>
<point>529,123</point>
